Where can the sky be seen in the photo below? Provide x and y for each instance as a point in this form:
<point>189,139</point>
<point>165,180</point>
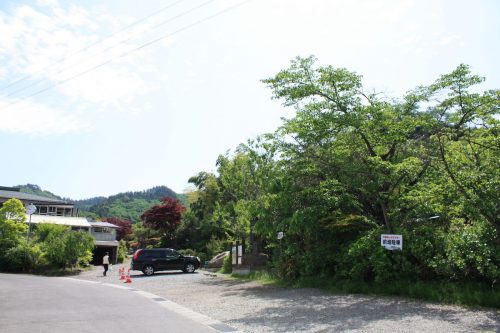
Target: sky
<point>102,97</point>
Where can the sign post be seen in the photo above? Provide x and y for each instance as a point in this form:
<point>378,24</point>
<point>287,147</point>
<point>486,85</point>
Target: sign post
<point>236,254</point>
<point>30,210</point>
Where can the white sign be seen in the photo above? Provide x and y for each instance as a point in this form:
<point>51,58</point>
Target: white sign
<point>236,260</point>
<point>280,235</point>
<point>392,242</point>
<point>30,209</point>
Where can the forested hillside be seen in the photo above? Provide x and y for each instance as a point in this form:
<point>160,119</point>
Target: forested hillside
<point>127,205</point>
<point>35,189</point>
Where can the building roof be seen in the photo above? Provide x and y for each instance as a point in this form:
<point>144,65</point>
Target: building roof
<point>5,194</point>
<point>103,224</point>
<point>64,220</point>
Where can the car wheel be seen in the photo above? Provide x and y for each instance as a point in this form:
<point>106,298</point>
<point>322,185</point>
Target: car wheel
<point>148,270</point>
<point>189,268</point>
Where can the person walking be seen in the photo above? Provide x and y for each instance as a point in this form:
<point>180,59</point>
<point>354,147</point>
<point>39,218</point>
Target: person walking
<point>105,263</point>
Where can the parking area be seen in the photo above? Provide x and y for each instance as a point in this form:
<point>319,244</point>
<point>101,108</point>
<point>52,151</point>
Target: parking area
<point>251,307</point>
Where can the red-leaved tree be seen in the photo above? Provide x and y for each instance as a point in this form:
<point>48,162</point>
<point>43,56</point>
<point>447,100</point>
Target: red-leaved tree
<point>164,217</point>
<point>125,227</point>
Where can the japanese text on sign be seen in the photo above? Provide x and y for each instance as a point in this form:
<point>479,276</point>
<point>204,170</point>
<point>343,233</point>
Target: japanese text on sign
<point>392,242</point>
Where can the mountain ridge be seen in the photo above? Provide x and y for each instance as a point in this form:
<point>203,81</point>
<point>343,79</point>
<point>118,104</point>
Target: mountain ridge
<point>125,205</point>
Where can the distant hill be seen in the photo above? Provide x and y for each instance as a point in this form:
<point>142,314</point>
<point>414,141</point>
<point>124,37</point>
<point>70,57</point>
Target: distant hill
<point>35,189</point>
<point>128,205</point>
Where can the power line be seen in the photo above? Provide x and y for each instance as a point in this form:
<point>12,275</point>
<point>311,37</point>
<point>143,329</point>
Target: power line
<point>112,46</point>
<point>92,44</point>
<point>132,50</point>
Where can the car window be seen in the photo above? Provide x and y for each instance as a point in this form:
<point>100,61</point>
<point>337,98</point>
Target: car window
<point>173,254</point>
<point>155,254</point>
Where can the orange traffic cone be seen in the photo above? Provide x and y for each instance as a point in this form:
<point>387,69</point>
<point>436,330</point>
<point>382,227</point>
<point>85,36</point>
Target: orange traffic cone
<point>128,279</point>
<point>122,273</point>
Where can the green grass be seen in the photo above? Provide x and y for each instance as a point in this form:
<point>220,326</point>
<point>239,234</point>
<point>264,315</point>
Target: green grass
<point>68,271</point>
<point>263,277</point>
<point>470,294</point>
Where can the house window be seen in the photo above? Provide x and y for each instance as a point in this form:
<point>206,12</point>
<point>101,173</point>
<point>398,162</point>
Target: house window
<point>102,230</point>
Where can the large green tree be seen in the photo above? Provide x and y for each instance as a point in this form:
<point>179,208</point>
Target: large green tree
<point>12,224</point>
<point>377,151</point>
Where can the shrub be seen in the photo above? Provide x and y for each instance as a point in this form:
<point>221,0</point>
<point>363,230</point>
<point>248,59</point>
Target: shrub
<point>215,246</point>
<point>12,228</point>
<point>78,246</point>
<point>63,247</point>
<point>464,252</point>
<point>122,251</point>
<point>25,257</point>
<point>227,267</point>
<point>425,245</point>
<point>53,243</point>
<point>365,259</point>
<point>472,252</point>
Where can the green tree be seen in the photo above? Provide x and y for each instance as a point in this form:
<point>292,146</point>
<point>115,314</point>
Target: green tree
<point>246,180</point>
<point>372,148</point>
<point>63,247</point>
<point>143,236</point>
<point>12,227</point>
<point>78,246</point>
<point>347,155</point>
<point>51,238</point>
<point>26,256</point>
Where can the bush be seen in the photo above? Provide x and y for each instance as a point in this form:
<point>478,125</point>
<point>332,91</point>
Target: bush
<point>25,257</point>
<point>464,252</point>
<point>365,259</point>
<point>63,247</point>
<point>426,247</point>
<point>122,251</point>
<point>53,246</point>
<point>227,267</point>
<point>78,246</point>
<point>215,246</point>
<point>472,252</point>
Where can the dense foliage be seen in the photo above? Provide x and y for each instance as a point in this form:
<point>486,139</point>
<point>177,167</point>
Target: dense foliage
<point>164,218</point>
<point>128,206</point>
<point>12,228</point>
<point>125,227</point>
<point>52,245</point>
<point>35,189</point>
<point>351,165</point>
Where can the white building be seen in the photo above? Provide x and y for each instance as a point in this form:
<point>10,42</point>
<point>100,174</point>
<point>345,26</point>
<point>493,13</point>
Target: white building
<point>56,211</point>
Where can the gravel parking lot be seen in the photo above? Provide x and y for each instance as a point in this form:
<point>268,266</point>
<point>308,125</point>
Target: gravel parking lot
<point>251,307</point>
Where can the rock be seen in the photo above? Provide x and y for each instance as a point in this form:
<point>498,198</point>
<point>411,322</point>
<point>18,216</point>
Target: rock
<point>217,261</point>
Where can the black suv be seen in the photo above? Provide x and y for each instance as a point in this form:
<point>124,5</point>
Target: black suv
<point>150,261</point>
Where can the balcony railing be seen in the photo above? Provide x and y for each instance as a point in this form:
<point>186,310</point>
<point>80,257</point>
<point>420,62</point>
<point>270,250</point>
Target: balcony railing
<point>99,236</point>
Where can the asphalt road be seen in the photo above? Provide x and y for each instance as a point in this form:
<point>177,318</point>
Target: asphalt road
<point>255,308</point>
<point>43,304</point>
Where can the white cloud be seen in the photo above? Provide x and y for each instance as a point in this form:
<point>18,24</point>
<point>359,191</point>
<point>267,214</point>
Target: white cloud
<point>48,3</point>
<point>451,40</point>
<point>59,49</point>
<point>36,119</point>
